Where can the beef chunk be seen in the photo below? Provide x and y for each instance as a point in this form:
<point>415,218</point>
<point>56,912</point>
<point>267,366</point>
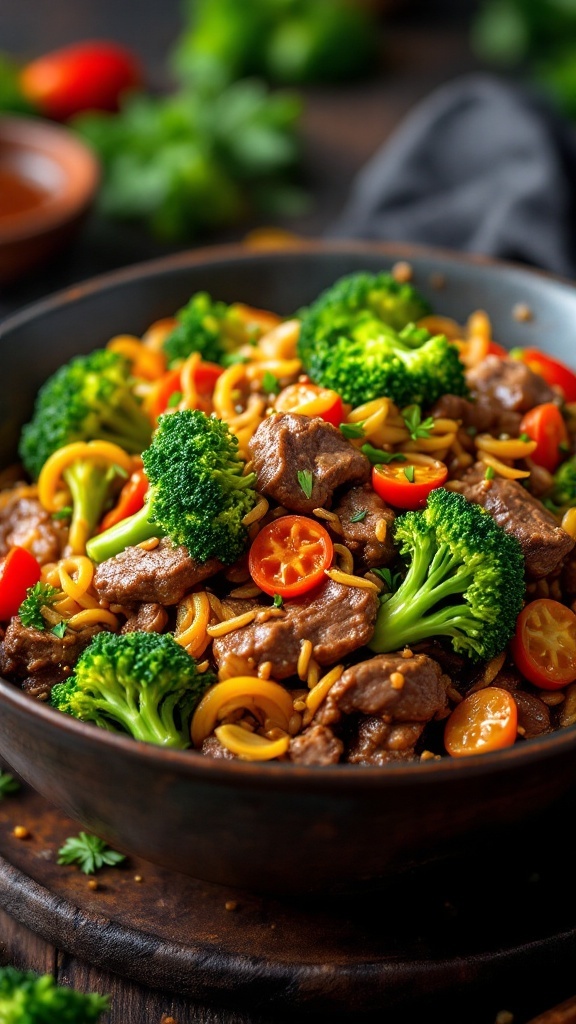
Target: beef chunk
<point>377,742</point>
<point>509,383</point>
<point>147,618</point>
<point>367,688</point>
<point>40,685</point>
<point>484,414</point>
<point>533,715</point>
<point>336,618</point>
<point>544,543</point>
<point>23,521</point>
<point>316,745</point>
<point>359,536</point>
<point>26,651</point>
<point>212,747</point>
<point>162,575</point>
<point>286,444</point>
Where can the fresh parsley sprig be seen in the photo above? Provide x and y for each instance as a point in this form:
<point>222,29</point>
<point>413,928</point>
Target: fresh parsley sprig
<point>89,852</point>
<point>8,784</point>
<point>306,481</point>
<point>378,456</point>
<point>415,425</point>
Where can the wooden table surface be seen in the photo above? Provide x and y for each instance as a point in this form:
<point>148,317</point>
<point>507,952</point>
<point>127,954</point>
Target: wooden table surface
<point>342,128</point>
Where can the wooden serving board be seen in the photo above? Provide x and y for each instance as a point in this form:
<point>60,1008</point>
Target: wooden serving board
<point>487,935</point>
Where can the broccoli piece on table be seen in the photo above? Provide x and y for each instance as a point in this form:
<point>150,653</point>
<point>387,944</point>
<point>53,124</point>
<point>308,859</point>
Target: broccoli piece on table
<point>562,495</point>
<point>40,596</point>
<point>144,684</point>
<point>29,998</point>
<point>89,398</point>
<point>359,338</point>
<point>214,329</point>
<point>465,580</point>
<point>198,494</point>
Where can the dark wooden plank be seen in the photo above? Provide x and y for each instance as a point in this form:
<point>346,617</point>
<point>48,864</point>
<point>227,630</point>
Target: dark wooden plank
<point>22,948</point>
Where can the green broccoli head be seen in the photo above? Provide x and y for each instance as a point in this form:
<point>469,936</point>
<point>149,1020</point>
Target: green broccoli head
<point>28,998</point>
<point>89,398</point>
<point>465,580</point>
<point>562,495</point>
<point>198,493</point>
<point>144,684</point>
<point>359,338</point>
<point>40,596</point>
<point>214,329</point>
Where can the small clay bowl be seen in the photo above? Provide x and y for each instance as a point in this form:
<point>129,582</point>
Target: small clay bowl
<point>48,180</point>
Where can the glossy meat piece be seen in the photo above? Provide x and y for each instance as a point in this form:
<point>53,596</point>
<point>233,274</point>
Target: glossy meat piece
<point>286,444</point>
<point>377,742</point>
<point>508,383</point>
<point>28,651</point>
<point>316,745</point>
<point>359,537</point>
<point>149,617</point>
<point>25,522</point>
<point>544,543</point>
<point>162,575</point>
<point>337,619</point>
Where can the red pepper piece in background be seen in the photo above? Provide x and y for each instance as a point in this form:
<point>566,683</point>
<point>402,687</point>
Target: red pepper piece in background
<point>545,425</point>
<point>130,500</point>
<point>18,571</point>
<point>554,372</point>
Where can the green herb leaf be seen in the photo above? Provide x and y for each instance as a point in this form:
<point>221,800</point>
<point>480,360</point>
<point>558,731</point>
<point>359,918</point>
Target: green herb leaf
<point>409,473</point>
<point>359,516</point>
<point>40,596</point>
<point>306,481</point>
<point>392,580</point>
<point>89,852</point>
<point>416,426</point>
<point>8,784</point>
<point>270,384</point>
<point>489,474</point>
<point>174,399</point>
<point>378,456</point>
<point>524,437</point>
<point>471,431</point>
<point>63,513</point>
<point>278,601</point>
<point>352,430</point>
<point>59,629</point>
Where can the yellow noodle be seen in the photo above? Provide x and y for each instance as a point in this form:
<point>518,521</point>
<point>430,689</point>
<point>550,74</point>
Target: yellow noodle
<point>76,586</point>
<point>348,580</point>
<point>569,522</point>
<point>190,398</point>
<point>91,617</point>
<point>345,559</point>
<point>279,367</point>
<point>145,361</point>
<point>502,469</point>
<point>313,674</point>
<point>304,658</point>
<point>51,473</point>
<point>246,590</point>
<point>380,530</point>
<point>259,510</point>
<point>221,628</point>
<point>511,448</point>
<point>329,517</point>
<point>280,342</point>
<point>318,694</point>
<point>155,336</point>
<point>192,618</point>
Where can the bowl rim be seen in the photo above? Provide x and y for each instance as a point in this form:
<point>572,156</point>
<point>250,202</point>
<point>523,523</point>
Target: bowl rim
<point>278,775</point>
<point>72,156</point>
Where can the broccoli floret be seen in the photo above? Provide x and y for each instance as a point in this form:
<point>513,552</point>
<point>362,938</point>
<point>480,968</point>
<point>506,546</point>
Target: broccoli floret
<point>89,398</point>
<point>145,684</point>
<point>562,495</point>
<point>198,494</point>
<point>359,339</point>
<point>465,580</point>
<point>214,329</point>
<point>28,998</point>
<point>40,596</point>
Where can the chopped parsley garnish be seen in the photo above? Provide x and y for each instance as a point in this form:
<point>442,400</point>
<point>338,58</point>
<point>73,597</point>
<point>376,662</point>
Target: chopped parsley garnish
<point>174,399</point>
<point>409,473</point>
<point>416,426</point>
<point>352,430</point>
<point>524,437</point>
<point>40,596</point>
<point>63,513</point>
<point>59,629</point>
<point>270,384</point>
<point>88,852</point>
<point>8,784</point>
<point>278,601</point>
<point>391,580</point>
<point>306,481</point>
<point>359,516</point>
<point>377,455</point>
<point>489,474</point>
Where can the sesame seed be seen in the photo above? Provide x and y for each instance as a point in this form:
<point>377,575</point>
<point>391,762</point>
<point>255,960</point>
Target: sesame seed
<point>231,905</point>
<point>20,832</point>
<point>397,680</point>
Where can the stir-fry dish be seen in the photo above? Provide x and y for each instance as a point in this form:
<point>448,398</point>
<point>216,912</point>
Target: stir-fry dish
<point>346,536</point>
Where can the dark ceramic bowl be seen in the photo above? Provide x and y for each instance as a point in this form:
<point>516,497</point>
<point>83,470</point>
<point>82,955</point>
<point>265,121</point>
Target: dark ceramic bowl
<point>275,826</point>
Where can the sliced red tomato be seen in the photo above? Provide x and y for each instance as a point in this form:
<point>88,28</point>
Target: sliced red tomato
<point>205,376</point>
<point>311,400</point>
<point>554,372</point>
<point>494,349</point>
<point>162,389</point>
<point>18,571</point>
<point>545,425</point>
<point>90,75</point>
<point>408,483</point>
<point>544,644</point>
<point>484,721</point>
<point>170,383</point>
<point>130,500</point>
<point>289,556</point>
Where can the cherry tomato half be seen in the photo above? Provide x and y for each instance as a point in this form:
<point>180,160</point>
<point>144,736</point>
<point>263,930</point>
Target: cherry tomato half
<point>130,500</point>
<point>18,571</point>
<point>311,400</point>
<point>84,76</point>
<point>407,484</point>
<point>545,425</point>
<point>544,644</point>
<point>555,373</point>
<point>484,721</point>
<point>289,556</point>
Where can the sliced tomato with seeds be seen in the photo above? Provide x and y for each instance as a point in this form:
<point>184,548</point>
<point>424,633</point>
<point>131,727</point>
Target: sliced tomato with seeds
<point>18,571</point>
<point>309,399</point>
<point>484,721</point>
<point>544,644</point>
<point>407,483</point>
<point>545,425</point>
<point>289,555</point>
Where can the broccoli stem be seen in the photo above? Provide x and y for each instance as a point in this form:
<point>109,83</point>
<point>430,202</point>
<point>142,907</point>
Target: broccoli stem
<point>89,485</point>
<point>126,425</point>
<point>412,613</point>
<point>127,533</point>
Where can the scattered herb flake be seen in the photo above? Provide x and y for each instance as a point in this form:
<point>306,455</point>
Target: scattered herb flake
<point>306,481</point>
<point>564,447</point>
<point>471,431</point>
<point>174,399</point>
<point>88,852</point>
<point>489,474</point>
<point>352,430</point>
<point>63,513</point>
<point>409,473</point>
<point>270,383</point>
<point>59,629</point>
<point>524,437</point>
<point>377,455</point>
<point>8,784</point>
<point>359,516</point>
<point>41,595</point>
<point>391,580</point>
<point>416,426</point>
<point>278,601</point>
